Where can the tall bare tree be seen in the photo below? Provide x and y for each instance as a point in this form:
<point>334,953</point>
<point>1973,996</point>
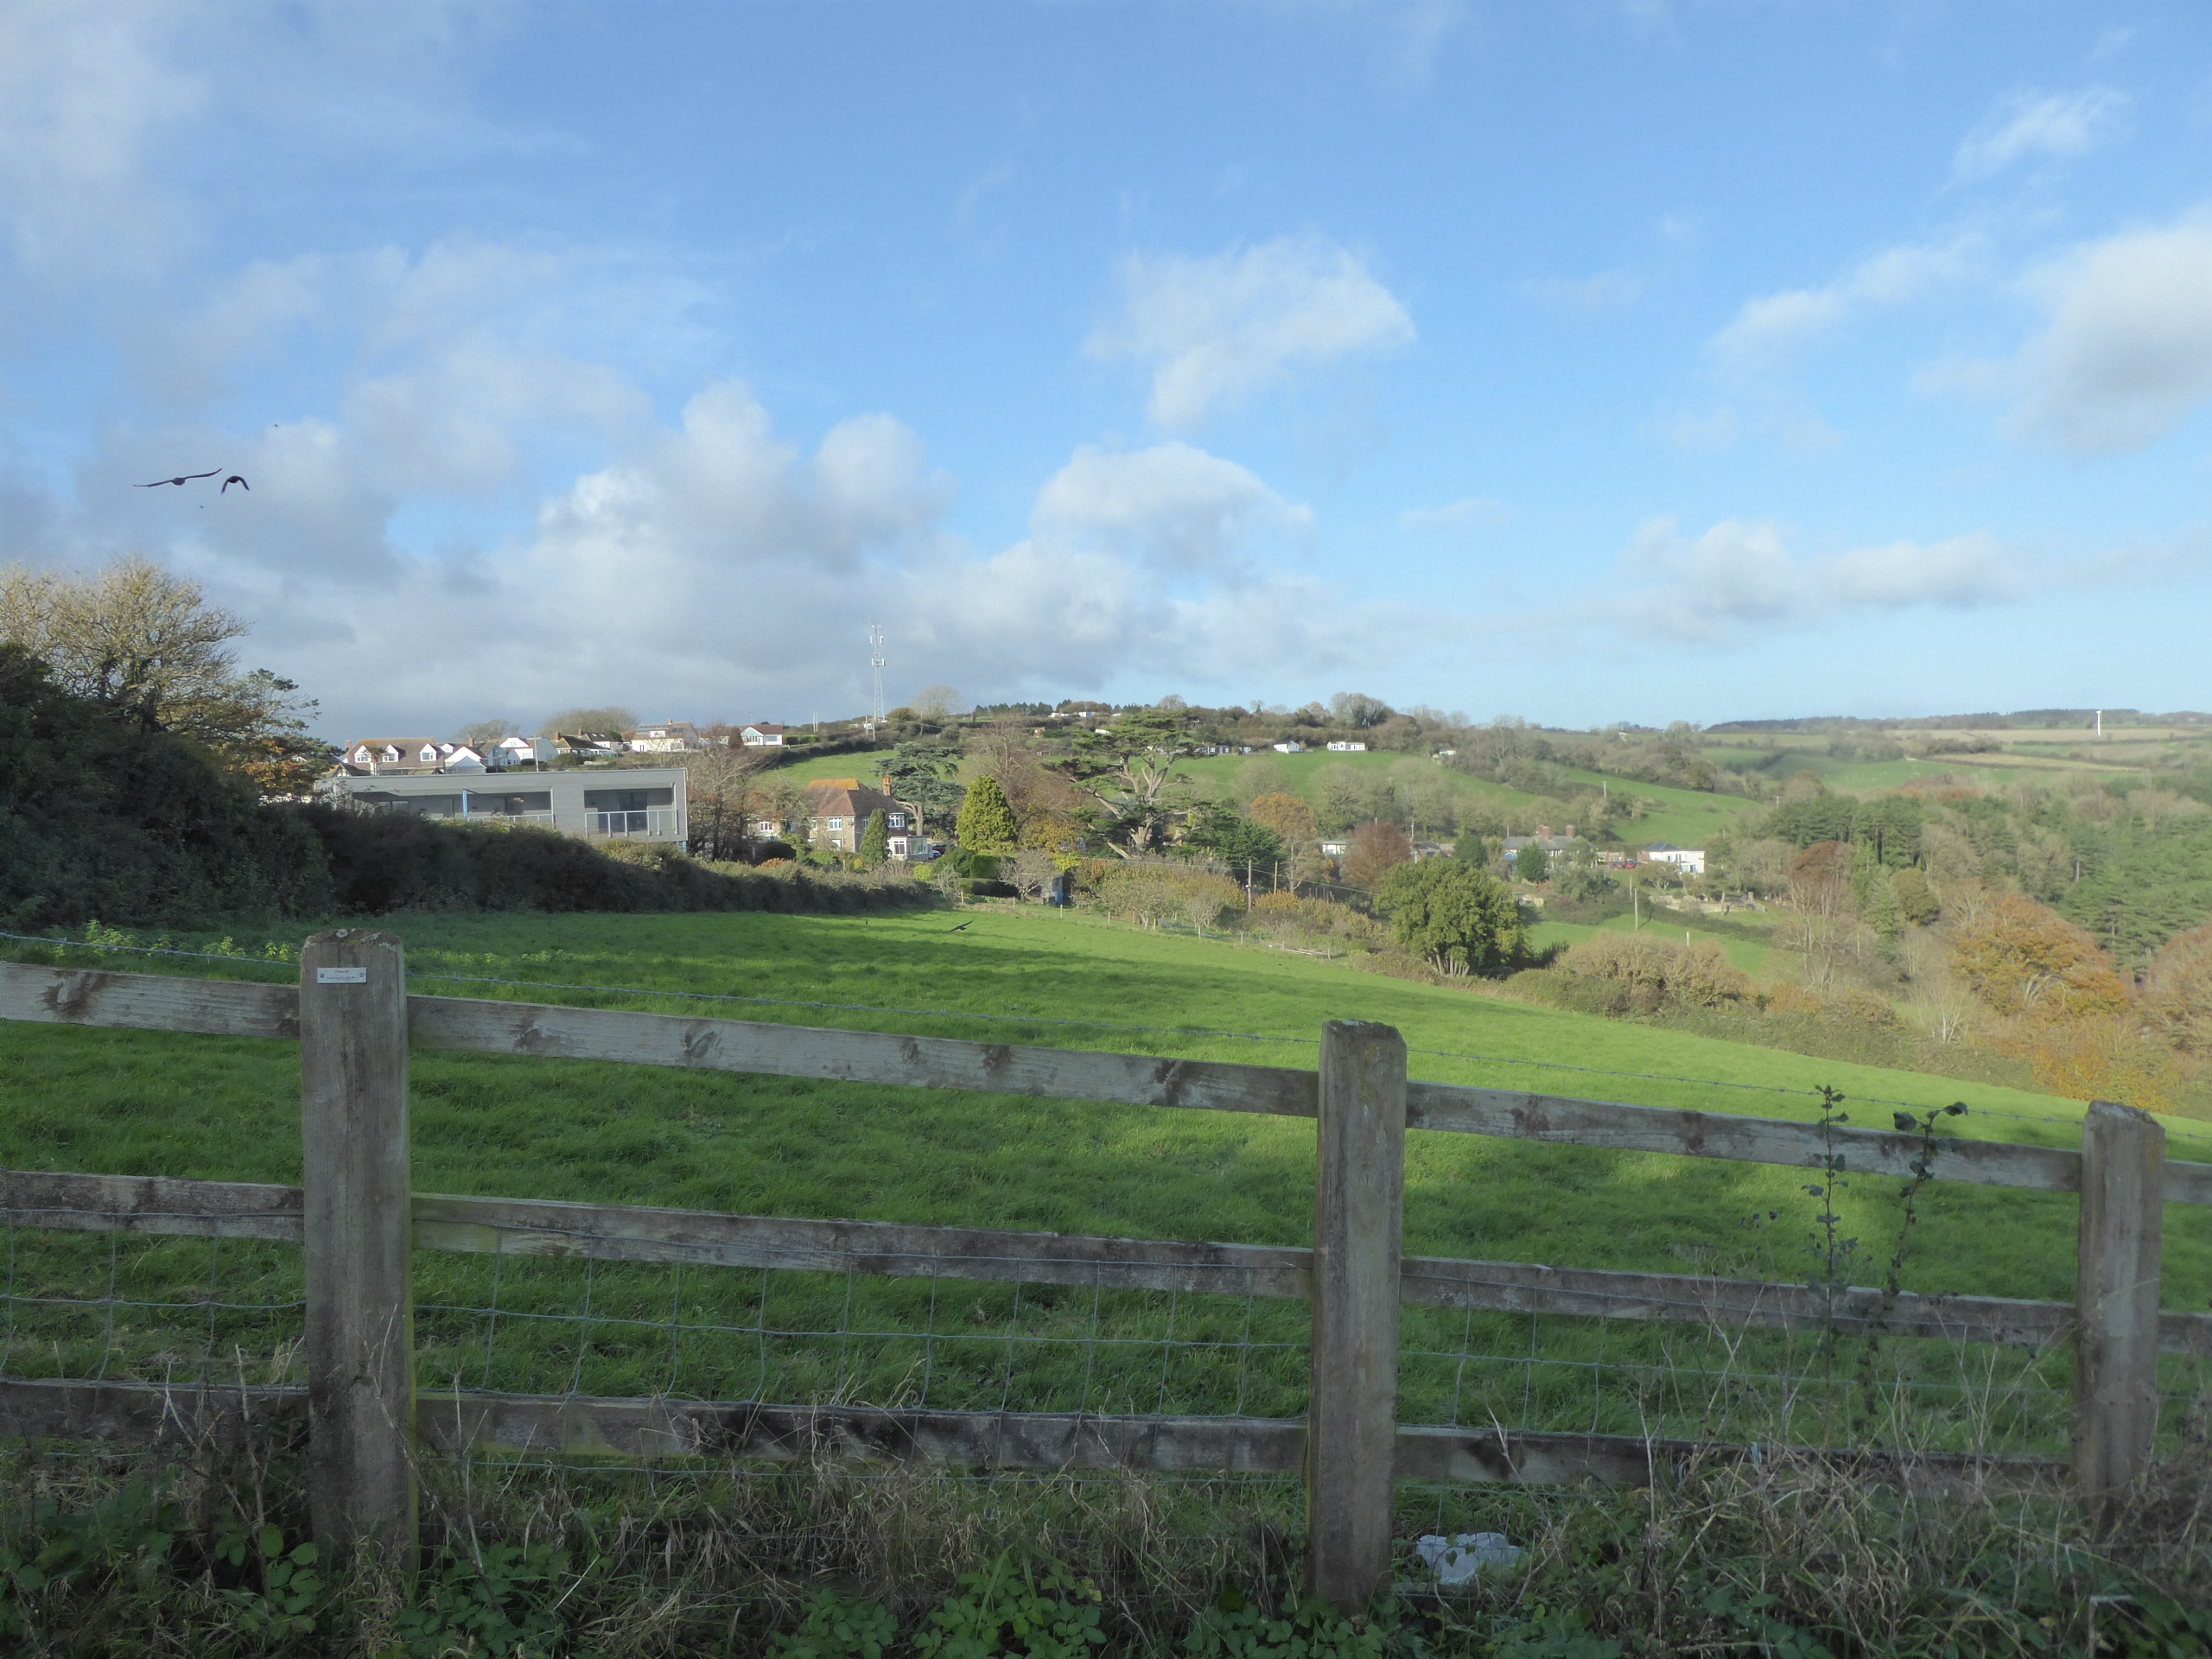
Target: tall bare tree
<point>148,646</point>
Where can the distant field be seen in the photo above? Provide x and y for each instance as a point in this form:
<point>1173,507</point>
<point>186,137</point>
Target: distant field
<point>147,1102</point>
<point>867,766</point>
<point>1684,816</point>
<point>1749,955</point>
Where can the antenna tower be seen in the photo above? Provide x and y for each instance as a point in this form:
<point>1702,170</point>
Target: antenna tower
<point>876,660</point>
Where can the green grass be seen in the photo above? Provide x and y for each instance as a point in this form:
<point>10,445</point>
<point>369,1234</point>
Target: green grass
<point>137,1102</point>
<point>867,766</point>
<point>1749,955</point>
<point>1684,816</point>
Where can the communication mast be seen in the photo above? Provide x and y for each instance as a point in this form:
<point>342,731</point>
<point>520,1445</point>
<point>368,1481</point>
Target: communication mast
<point>876,660</point>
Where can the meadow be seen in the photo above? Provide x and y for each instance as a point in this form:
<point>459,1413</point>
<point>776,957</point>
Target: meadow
<point>133,1102</point>
<point>1681,816</point>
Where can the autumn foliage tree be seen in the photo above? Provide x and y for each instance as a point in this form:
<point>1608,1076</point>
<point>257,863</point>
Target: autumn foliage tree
<point>2027,962</point>
<point>1286,814</point>
<point>2177,991</point>
<point>1377,848</point>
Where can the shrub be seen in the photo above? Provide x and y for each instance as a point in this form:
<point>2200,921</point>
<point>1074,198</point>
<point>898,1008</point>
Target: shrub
<point>1650,968</point>
<point>99,816</point>
<point>382,861</point>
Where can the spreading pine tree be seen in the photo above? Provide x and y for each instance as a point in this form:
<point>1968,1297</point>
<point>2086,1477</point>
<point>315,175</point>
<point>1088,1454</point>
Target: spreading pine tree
<point>986,820</point>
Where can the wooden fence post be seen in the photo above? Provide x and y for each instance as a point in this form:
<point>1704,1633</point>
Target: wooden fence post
<point>1358,1226</point>
<point>360,1313</point>
<point>2116,1299</point>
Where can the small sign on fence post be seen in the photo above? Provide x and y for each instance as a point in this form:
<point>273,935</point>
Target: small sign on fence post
<point>2116,1299</point>
<point>1358,1232</point>
<point>360,1315</point>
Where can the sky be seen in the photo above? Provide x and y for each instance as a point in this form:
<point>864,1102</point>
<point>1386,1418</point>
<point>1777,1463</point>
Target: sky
<point>1592,360</point>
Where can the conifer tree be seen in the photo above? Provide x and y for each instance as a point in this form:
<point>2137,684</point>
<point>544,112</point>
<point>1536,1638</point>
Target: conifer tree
<point>986,822</point>
<point>875,840</point>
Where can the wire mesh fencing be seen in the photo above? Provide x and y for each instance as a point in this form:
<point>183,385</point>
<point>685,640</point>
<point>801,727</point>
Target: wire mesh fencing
<point>125,1305</point>
<point>545,1314</point>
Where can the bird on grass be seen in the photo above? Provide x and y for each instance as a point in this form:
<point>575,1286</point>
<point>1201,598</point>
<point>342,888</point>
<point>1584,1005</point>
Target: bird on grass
<point>234,479</point>
<point>187,478</point>
<point>963,928</point>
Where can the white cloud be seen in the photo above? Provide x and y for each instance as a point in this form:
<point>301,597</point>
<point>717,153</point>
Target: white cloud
<point>1740,577</point>
<point>2126,355</point>
<point>1766,331</point>
<point>1609,290</point>
<point>1468,514</point>
<point>1172,506</point>
<point>1216,330</point>
<point>85,91</point>
<point>2029,124</point>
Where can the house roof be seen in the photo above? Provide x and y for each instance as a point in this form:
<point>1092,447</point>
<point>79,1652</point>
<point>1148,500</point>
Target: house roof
<point>847,798</point>
<point>410,750</point>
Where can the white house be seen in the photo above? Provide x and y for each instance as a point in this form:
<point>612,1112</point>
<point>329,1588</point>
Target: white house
<point>1288,746</point>
<point>668,737</point>
<point>764,737</point>
<point>517,751</point>
<point>396,754</point>
<point>1347,748</point>
<point>459,757</point>
<point>1688,860</point>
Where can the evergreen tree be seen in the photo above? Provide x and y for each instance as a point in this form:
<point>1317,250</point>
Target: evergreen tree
<point>1459,917</point>
<point>1532,863</point>
<point>986,822</point>
<point>875,840</point>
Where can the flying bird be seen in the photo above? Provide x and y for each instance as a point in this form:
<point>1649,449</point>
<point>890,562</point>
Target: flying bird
<point>187,478</point>
<point>234,479</point>
<point>963,928</point>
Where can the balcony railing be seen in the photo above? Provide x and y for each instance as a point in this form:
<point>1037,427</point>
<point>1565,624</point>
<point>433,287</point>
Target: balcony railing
<point>660,820</point>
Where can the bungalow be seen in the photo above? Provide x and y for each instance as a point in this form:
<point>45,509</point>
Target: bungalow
<point>1347,748</point>
<point>842,808</point>
<point>1288,746</point>
<point>670,737</point>
<point>591,746</point>
<point>1689,861</point>
<point>517,752</point>
<point>764,737</point>
<point>1544,838</point>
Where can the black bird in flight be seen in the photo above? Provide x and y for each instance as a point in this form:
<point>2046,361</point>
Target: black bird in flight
<point>187,478</point>
<point>232,479</point>
<point>963,928</point>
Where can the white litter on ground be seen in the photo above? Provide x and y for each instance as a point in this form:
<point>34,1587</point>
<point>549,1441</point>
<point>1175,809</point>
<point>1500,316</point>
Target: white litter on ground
<point>1455,1561</point>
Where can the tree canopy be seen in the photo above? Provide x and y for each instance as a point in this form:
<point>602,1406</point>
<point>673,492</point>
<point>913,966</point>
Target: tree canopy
<point>1126,769</point>
<point>146,646</point>
<point>1460,918</point>
<point>986,822</point>
<point>1219,832</point>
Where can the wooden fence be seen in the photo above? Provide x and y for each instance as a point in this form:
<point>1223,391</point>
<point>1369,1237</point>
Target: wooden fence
<point>358,1222</point>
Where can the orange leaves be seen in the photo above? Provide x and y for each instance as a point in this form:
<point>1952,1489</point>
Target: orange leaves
<point>1287,816</point>
<point>2027,962</point>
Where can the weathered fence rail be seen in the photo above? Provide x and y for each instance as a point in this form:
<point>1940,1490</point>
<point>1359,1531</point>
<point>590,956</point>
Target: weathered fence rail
<point>365,1418</point>
<point>238,1008</point>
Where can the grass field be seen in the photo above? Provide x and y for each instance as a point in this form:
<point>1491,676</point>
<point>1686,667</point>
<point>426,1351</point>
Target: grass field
<point>1749,955</point>
<point>1681,816</point>
<point>146,1104</point>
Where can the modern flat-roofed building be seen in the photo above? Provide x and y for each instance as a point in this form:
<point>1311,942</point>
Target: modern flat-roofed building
<point>626,803</point>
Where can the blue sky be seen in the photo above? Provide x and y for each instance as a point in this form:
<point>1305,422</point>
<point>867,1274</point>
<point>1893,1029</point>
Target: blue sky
<point>1586,361</point>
